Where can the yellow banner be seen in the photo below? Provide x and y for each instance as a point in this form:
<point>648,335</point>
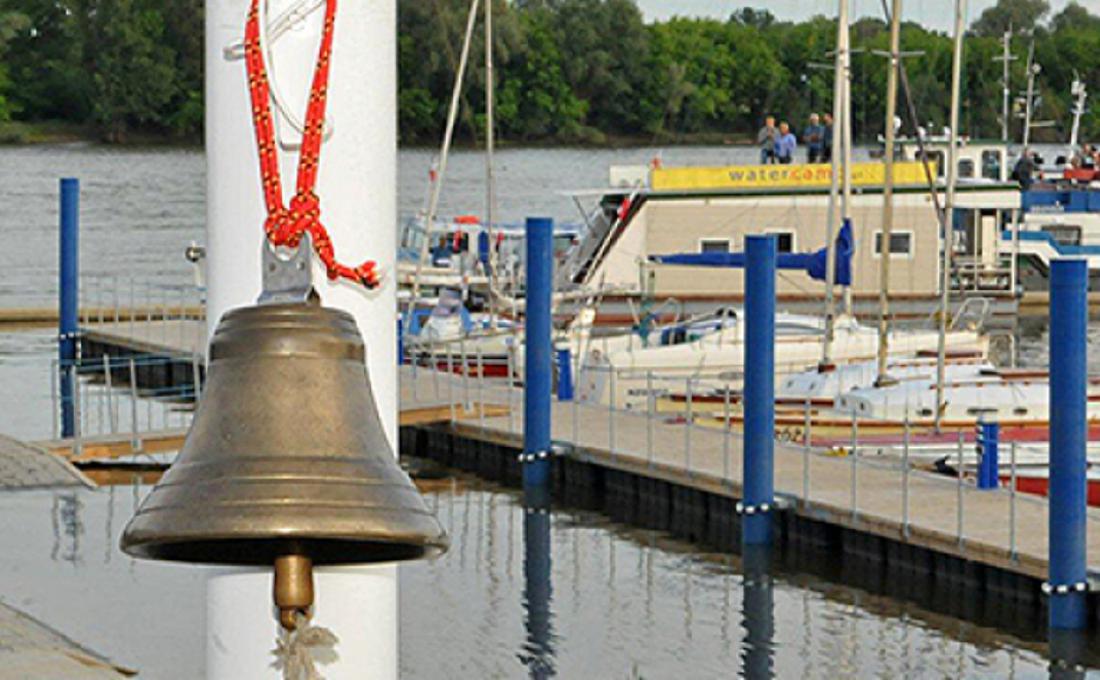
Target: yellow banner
<point>870,173</point>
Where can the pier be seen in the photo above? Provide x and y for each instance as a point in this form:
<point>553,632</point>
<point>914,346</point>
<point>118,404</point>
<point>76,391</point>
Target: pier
<point>662,474</point>
<point>659,470</point>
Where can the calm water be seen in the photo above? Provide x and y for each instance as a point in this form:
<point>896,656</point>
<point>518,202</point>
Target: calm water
<point>618,603</point>
<point>610,602</point>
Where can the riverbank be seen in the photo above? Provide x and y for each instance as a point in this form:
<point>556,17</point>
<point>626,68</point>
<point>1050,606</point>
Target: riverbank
<point>19,133</point>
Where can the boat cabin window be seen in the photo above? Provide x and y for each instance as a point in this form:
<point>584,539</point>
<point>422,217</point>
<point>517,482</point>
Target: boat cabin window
<point>1064,234</point>
<point>991,164</point>
<point>901,243</point>
<point>784,241</point>
<point>937,158</point>
<point>714,245</point>
<point>966,167</point>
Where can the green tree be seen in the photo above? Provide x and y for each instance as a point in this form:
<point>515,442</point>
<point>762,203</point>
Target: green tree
<point>134,70</point>
<point>1020,16</point>
<point>11,24</point>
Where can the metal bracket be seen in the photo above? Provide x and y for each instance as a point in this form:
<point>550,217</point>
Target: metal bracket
<point>286,278</point>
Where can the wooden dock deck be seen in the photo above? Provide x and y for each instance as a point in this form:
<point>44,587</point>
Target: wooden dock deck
<point>660,450</point>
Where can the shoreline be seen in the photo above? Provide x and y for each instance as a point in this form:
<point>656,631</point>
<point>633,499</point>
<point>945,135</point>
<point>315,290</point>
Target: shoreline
<point>52,133</point>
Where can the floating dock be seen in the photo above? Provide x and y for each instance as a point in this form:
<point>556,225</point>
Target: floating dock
<point>661,474</point>
<point>664,475</point>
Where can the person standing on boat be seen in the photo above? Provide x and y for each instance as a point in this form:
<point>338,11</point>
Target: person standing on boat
<point>827,139</point>
<point>766,139</point>
<point>815,139</point>
<point>785,145</point>
<point>1025,168</point>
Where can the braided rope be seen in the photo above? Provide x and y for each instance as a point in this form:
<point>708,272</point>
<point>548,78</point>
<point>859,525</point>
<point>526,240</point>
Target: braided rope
<point>285,225</point>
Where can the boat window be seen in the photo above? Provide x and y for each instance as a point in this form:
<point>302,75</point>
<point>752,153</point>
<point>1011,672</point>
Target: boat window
<point>901,243</point>
<point>784,241</point>
<point>1064,234</point>
<point>714,245</point>
<point>795,328</point>
<point>966,167</point>
<point>991,164</point>
<point>937,158</point>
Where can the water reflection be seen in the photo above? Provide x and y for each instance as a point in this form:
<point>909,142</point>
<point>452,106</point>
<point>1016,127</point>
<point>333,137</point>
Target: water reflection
<point>67,528</point>
<point>757,613</point>
<point>538,650</point>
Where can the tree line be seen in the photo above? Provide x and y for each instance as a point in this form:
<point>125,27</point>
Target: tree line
<point>567,71</point>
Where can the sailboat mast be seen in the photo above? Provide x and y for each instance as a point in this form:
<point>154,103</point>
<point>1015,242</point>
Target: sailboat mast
<point>888,196</point>
<point>949,206</point>
<point>448,135</point>
<point>839,77</point>
<point>846,178</point>
<point>1006,60</point>
<point>490,143</point>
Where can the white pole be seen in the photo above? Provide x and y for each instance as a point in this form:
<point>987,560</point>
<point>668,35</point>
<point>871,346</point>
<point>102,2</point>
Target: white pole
<point>357,186</point>
<point>846,180</point>
<point>490,175</point>
<point>834,186</point>
<point>949,205</point>
<point>888,196</point>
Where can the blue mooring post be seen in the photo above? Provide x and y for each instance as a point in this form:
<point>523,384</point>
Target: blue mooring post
<point>565,374</point>
<point>759,391</point>
<point>537,367</point>
<point>989,435</point>
<point>68,304</point>
<point>1068,436</point>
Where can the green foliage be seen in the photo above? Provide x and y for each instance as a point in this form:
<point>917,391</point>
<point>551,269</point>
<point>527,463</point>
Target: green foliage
<point>1020,16</point>
<point>566,70</point>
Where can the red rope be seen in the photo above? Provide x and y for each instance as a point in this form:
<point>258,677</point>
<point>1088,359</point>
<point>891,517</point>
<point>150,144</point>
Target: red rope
<point>284,226</point>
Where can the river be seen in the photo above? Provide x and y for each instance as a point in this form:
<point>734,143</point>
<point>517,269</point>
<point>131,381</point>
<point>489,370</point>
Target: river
<point>617,602</point>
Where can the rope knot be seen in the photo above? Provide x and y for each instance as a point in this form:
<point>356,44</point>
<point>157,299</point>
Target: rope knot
<point>284,225</point>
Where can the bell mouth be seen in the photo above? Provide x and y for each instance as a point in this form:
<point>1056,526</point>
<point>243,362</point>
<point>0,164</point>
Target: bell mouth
<point>245,552</point>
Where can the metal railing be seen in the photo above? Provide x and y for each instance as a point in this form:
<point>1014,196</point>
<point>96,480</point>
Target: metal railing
<point>598,420</point>
<point>121,396</point>
<point>164,309</point>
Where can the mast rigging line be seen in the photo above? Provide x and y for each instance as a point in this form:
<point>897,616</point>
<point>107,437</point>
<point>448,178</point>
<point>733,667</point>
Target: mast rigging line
<point>448,135</point>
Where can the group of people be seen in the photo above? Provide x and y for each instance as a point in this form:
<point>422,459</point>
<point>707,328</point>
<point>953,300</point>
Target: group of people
<point>778,144</point>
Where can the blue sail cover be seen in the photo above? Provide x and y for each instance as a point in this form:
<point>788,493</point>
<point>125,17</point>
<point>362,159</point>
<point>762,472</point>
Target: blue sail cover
<point>813,263</point>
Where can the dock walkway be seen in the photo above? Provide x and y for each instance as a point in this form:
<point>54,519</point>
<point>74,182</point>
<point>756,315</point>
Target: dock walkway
<point>867,497</point>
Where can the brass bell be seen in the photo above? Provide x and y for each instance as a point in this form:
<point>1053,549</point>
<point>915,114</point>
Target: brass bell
<point>286,462</point>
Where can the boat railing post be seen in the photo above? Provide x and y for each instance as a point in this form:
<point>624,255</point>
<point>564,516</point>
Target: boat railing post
<point>611,410</point>
<point>512,384</point>
<point>959,493</point>
<point>133,308</point>
<point>1012,503</point>
<point>480,388</point>
<point>433,366</point>
<point>650,402</point>
<point>112,416</point>
<point>689,423</point>
<point>54,402</point>
<point>183,315</point>
<point>854,453</point>
<point>451,381</point>
<point>905,479</point>
<point>576,419</point>
<point>464,362</point>
<point>78,425</point>
<point>135,440</point>
<point>807,442</point>
<point>726,427</point>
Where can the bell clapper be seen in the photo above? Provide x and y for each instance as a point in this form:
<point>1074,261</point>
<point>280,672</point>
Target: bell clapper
<point>293,588</point>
